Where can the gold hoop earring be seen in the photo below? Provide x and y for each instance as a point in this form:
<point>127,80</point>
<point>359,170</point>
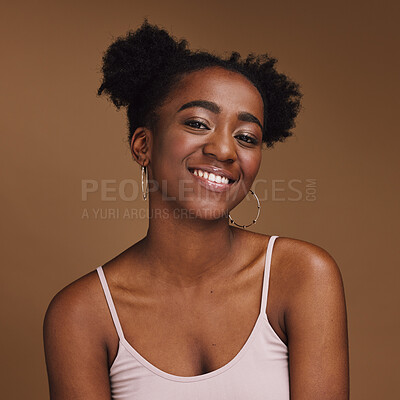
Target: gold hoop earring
<point>254,220</point>
<point>145,182</point>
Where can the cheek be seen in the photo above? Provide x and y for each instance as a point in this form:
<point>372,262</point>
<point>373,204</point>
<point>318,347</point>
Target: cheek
<point>251,165</point>
<point>170,150</point>
<point>178,148</point>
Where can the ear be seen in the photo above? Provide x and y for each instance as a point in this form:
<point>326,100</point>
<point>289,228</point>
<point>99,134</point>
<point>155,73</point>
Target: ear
<point>141,145</point>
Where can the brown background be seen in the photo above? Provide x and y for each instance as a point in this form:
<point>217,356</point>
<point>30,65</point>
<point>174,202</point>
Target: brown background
<point>55,132</point>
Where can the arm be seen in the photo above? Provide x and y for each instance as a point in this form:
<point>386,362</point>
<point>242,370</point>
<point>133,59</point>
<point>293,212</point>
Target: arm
<point>316,325</point>
<point>76,354</point>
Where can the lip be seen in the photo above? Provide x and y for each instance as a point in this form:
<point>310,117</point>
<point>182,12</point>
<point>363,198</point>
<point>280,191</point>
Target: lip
<point>214,170</point>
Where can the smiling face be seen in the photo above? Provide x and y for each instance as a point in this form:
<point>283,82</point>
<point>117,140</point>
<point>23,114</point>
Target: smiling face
<point>206,145</point>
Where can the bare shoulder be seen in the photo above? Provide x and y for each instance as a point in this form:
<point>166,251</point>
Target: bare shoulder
<point>303,275</point>
<point>315,320</point>
<point>83,302</point>
<point>75,333</point>
<point>76,303</point>
<point>305,263</point>
<point>295,261</point>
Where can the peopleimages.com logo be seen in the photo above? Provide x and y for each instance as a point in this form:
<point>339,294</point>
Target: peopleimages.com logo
<point>128,190</point>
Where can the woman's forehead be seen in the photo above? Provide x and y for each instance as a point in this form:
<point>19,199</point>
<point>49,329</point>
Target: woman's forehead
<point>228,89</point>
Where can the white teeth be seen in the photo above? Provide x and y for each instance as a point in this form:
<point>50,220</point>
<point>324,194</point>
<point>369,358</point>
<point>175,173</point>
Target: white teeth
<point>211,177</point>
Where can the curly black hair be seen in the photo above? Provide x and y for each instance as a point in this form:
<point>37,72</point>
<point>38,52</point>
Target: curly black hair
<point>140,69</point>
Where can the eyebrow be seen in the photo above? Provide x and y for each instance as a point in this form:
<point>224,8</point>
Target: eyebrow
<point>216,109</point>
<point>247,117</point>
<point>209,105</point>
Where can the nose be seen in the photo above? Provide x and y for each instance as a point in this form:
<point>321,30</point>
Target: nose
<point>221,145</point>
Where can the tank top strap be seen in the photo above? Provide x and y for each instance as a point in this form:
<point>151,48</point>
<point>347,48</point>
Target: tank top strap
<point>110,302</point>
<point>267,269</point>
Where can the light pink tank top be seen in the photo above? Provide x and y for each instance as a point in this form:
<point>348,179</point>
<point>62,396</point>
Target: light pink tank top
<point>258,371</point>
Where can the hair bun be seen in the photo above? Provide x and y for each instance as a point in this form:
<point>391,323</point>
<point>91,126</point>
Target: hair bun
<point>135,60</point>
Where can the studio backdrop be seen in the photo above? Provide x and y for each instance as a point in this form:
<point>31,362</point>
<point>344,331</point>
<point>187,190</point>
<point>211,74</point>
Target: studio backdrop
<point>70,190</point>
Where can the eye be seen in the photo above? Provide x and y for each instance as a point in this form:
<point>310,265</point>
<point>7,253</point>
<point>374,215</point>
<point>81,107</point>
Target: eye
<point>196,124</point>
<point>247,139</point>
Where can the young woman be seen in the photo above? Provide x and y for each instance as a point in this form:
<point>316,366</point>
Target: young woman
<point>199,308</point>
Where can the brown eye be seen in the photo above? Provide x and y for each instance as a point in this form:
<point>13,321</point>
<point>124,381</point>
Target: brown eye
<point>248,139</point>
<point>196,124</point>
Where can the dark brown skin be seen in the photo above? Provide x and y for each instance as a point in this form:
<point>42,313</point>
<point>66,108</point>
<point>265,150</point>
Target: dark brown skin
<point>188,294</point>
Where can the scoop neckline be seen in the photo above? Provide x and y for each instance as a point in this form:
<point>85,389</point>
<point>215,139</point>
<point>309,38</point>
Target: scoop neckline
<point>193,378</point>
<point>157,371</point>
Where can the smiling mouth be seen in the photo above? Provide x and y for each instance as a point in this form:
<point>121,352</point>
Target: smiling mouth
<point>211,177</point>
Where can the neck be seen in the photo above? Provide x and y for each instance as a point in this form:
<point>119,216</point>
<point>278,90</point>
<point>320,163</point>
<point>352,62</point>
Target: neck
<point>186,251</point>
